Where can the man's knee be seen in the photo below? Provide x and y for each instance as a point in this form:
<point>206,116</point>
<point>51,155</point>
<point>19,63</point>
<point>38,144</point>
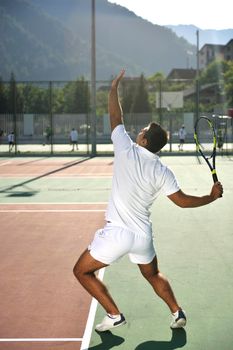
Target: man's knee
<point>86,266</point>
<point>150,271</point>
<point>77,270</point>
<point>151,275</point>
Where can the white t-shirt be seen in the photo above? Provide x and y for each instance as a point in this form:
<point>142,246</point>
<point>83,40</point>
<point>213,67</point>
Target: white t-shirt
<point>74,135</point>
<point>138,178</point>
<point>11,138</point>
<point>182,133</point>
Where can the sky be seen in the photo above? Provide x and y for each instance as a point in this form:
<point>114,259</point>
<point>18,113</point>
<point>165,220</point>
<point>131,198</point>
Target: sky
<point>207,14</point>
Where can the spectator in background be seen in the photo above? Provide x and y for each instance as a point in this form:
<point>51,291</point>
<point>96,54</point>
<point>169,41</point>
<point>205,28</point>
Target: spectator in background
<point>220,140</point>
<point>74,139</point>
<point>47,134</point>
<point>1,135</point>
<point>11,140</point>
<point>182,135</point>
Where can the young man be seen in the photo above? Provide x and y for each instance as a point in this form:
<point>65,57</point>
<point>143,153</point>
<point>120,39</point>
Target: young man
<point>74,138</point>
<point>139,177</point>
<point>182,135</point>
<point>11,140</point>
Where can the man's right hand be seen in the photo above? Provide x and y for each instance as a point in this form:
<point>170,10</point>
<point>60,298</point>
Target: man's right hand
<point>216,191</point>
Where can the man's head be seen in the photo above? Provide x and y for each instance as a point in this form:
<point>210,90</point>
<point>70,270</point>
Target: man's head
<point>153,137</point>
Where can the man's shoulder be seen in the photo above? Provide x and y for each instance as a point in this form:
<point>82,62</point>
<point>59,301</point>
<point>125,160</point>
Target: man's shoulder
<point>118,129</point>
<point>121,138</point>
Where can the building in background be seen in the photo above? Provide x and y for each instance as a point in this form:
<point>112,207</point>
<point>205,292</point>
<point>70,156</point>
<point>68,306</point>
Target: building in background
<point>210,52</point>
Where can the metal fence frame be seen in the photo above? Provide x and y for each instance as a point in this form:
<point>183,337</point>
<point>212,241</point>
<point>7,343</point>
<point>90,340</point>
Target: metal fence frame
<point>99,142</point>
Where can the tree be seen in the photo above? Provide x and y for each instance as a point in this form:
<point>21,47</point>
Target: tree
<point>214,72</point>
<point>128,92</point>
<point>3,99</point>
<point>141,98</point>
<point>228,78</point>
<point>77,97</point>
<point>14,97</point>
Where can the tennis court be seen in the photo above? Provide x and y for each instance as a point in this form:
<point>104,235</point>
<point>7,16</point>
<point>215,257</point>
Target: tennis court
<point>50,208</point>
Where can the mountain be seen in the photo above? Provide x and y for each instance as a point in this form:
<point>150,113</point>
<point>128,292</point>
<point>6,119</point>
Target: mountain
<point>36,46</point>
<point>51,40</point>
<point>206,36</point>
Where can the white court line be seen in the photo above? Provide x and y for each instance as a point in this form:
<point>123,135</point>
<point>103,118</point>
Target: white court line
<point>40,339</point>
<point>51,210</point>
<point>88,176</point>
<point>91,318</point>
<point>53,203</point>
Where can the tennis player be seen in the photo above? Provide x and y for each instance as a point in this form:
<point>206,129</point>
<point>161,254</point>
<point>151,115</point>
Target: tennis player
<point>139,177</point>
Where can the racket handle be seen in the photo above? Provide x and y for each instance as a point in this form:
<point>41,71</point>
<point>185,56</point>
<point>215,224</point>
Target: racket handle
<point>215,178</point>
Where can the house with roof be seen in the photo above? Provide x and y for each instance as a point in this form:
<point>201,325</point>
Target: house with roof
<point>179,74</point>
<point>209,53</point>
<point>228,51</point>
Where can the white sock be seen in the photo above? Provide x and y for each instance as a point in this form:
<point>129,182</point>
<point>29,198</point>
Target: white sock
<point>113,316</point>
<point>176,313</point>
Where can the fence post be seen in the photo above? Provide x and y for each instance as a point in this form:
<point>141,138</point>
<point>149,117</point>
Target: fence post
<point>93,83</point>
<point>15,117</point>
<point>51,115</point>
<point>160,103</point>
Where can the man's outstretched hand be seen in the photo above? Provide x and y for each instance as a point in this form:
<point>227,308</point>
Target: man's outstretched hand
<point>116,81</point>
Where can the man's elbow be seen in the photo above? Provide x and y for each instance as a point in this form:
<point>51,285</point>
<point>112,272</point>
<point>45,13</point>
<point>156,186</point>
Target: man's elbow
<point>183,204</point>
<point>184,201</point>
<point>179,199</point>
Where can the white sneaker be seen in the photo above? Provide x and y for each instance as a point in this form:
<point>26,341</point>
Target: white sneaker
<point>178,319</point>
<point>110,322</point>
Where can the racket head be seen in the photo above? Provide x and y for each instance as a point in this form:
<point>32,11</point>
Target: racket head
<point>205,137</point>
<point>206,142</point>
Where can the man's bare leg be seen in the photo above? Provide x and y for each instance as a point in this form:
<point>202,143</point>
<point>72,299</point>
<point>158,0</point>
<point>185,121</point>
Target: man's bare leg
<point>84,270</point>
<point>159,283</point>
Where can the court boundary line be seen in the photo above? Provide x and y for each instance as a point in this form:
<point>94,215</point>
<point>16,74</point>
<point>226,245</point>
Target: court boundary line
<point>91,317</point>
<point>54,203</point>
<point>51,210</point>
<point>40,340</point>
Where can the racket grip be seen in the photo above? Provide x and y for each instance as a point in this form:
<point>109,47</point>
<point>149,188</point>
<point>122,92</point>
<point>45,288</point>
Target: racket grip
<point>215,178</point>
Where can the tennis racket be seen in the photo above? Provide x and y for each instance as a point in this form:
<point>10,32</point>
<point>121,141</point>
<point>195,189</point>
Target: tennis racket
<point>206,141</point>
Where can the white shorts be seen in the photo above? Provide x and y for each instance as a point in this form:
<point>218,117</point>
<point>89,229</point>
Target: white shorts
<point>113,242</point>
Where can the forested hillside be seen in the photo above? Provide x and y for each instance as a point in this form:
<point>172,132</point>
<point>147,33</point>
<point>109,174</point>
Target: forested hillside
<point>50,40</point>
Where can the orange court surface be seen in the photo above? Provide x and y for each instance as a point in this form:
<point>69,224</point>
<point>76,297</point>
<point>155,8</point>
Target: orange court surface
<point>44,229</point>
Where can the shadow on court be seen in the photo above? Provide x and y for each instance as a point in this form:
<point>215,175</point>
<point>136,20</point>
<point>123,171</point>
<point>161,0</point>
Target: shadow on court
<point>24,183</point>
<point>109,340</point>
<point>178,340</point>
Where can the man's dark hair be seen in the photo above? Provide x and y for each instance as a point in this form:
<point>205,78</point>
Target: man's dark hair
<point>156,137</point>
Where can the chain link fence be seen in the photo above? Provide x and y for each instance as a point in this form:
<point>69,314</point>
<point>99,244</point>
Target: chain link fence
<point>36,118</point>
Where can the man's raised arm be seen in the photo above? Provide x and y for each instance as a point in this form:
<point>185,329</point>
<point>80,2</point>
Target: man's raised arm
<point>114,106</point>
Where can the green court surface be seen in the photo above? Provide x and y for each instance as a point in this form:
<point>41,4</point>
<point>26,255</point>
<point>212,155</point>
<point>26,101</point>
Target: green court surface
<point>194,248</point>
<point>54,190</point>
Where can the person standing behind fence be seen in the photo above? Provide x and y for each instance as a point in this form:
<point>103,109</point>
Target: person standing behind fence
<point>1,135</point>
<point>182,135</point>
<point>11,140</point>
<point>74,139</point>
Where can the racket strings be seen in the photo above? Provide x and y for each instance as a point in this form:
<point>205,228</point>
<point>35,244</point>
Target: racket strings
<point>205,137</point>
